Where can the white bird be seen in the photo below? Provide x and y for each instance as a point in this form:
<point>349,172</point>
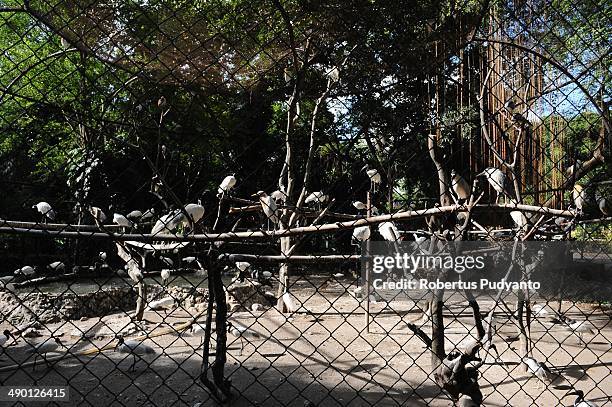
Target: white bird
<point>102,256</point>
<point>243,265</point>
<point>25,270</point>
<point>167,261</point>
<point>360,205</point>
<point>227,184</point>
<point>338,275</point>
<point>539,369</point>
<point>56,266</point>
<point>466,401</point>
<point>580,401</point>
<point>579,327</point>
<point>422,242</point>
<point>268,204</point>
<point>190,259</point>
<point>279,195</point>
<point>98,214</point>
<point>316,197</point>
<point>136,214</point>
<point>242,332</point>
<point>579,196</point>
<point>361,233</point>
<point>162,303</point>
<point>357,292</point>
<point>133,270</point>
<point>497,179</point>
<point>165,276</point>
<point>460,186</point>
<point>195,211</point>
<point>45,210</point>
<point>168,223</point>
<point>572,169</point>
<point>291,303</point>
<point>148,214</point>
<point>198,330</point>
<point>389,231</point>
<point>539,310</point>
<point>135,348</point>
<point>602,203</point>
<point>267,274</point>
<point>520,219</point>
<point>373,174</point>
<point>3,339</point>
<point>122,221</point>
<point>42,349</point>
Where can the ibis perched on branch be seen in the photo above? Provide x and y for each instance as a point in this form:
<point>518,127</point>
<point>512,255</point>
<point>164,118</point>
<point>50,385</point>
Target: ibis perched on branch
<point>226,185</point>
<point>268,204</point>
<point>98,215</point>
<point>389,231</point>
<point>56,266</point>
<point>122,221</point>
<point>134,215</point>
<point>360,206</point>
<point>361,233</point>
<point>497,179</point>
<point>25,271</point>
<point>374,175</point>
<point>579,196</point>
<point>45,210</point>
<point>279,196</point>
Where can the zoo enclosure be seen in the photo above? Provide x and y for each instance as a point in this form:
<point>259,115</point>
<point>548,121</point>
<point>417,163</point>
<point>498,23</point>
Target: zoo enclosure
<point>150,105</point>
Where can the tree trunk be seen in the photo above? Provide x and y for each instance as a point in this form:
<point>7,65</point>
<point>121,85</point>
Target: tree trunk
<point>283,275</point>
<point>437,329</point>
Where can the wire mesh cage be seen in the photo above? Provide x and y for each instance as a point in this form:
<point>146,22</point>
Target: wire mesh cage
<point>305,203</point>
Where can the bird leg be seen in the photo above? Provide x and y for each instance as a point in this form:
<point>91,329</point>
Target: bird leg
<point>133,367</point>
<point>34,366</point>
<point>241,345</point>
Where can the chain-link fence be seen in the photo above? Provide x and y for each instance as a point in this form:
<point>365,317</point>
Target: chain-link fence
<point>254,203</point>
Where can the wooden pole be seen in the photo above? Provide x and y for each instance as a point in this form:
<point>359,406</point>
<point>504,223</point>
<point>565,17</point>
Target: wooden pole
<point>367,268</point>
<point>33,228</point>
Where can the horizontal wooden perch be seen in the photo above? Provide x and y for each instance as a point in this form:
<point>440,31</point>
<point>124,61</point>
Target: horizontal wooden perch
<point>254,258</point>
<point>304,212</point>
<point>26,228</point>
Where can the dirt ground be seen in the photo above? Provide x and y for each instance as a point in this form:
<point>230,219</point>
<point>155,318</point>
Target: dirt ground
<point>326,357</point>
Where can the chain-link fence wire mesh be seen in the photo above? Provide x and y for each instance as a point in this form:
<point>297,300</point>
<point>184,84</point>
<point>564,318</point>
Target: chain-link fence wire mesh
<point>190,191</point>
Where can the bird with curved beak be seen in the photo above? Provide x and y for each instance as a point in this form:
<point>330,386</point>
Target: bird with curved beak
<point>268,204</point>
<point>133,347</point>
<point>374,175</point>
<point>579,196</point>
<point>4,339</point>
<point>580,401</point>
<point>497,179</point>
<point>226,185</point>
<point>42,349</point>
<point>538,369</point>
<point>45,210</point>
